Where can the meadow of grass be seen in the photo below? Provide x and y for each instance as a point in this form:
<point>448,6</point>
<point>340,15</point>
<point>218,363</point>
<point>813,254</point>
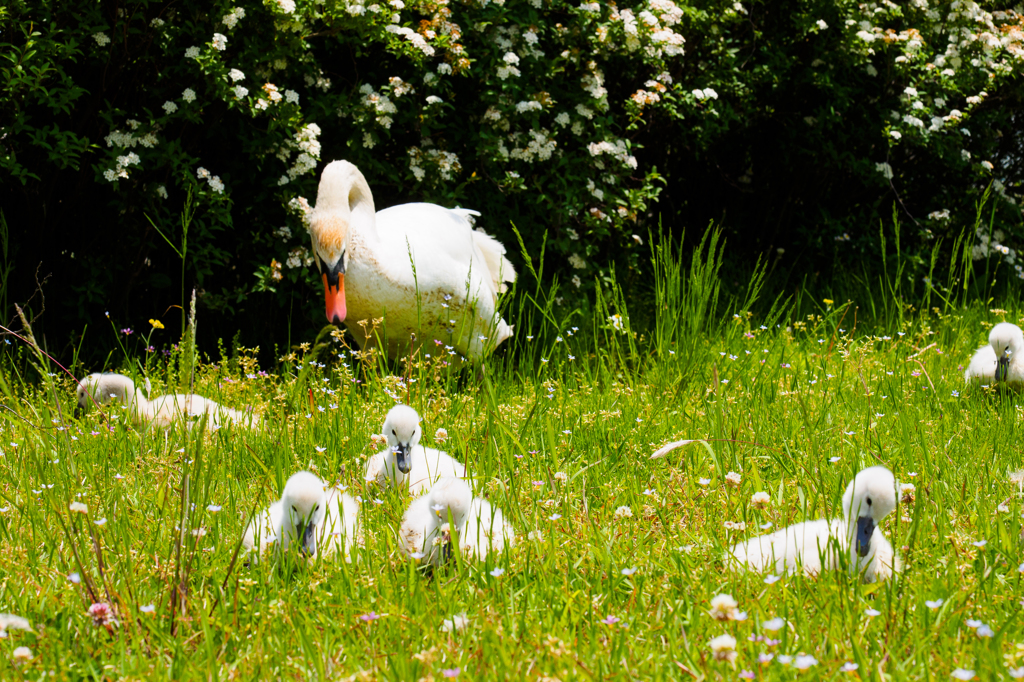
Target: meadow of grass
<point>618,556</point>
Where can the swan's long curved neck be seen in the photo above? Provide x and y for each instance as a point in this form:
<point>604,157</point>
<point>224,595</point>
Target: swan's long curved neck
<point>344,198</point>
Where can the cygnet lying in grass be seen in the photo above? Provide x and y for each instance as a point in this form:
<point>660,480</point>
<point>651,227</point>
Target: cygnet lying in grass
<point>426,530</point>
<point>813,546</point>
<point>405,461</point>
<point>1002,360</point>
<point>321,520</point>
<point>108,387</point>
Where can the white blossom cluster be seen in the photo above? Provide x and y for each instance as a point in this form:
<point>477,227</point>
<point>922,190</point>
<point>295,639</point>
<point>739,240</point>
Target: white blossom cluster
<point>299,257</point>
<point>446,163</point>
<point>418,41</point>
<point>233,17</point>
<point>380,104</point>
<point>300,206</point>
<point>121,169</point>
<point>991,244</point>
<point>213,180</point>
<point>618,150</point>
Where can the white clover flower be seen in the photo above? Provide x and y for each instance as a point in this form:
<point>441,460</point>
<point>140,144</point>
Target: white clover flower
<point>441,435</point>
<point>220,42</point>
<point>189,95</point>
<point>723,607</point>
<point>236,75</point>
<point>723,648</point>
<point>623,512</point>
<point>760,500</point>
<point>803,662</point>
<point>170,107</point>
<point>536,535</point>
<point>733,479</point>
<point>240,91</point>
<point>78,507</point>
<point>101,38</point>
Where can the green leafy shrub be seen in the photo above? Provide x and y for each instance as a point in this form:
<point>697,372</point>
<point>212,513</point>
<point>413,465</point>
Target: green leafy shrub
<point>800,123</point>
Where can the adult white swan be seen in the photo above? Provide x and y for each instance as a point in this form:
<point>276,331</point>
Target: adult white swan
<point>367,259</point>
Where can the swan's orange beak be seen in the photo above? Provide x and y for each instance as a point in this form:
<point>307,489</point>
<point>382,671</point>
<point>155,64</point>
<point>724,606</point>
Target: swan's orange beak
<point>335,297</point>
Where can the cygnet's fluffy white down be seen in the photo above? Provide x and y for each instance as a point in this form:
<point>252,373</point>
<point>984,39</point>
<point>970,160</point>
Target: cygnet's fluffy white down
<point>428,467</point>
<point>162,412</point>
<point>813,546</point>
<point>982,367</point>
<point>338,530</point>
<point>426,526</point>
<point>485,530</point>
<point>168,408</point>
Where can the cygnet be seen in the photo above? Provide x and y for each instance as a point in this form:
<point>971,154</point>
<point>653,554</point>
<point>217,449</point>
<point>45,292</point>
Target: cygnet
<point>813,546</point>
<point>405,461</point>
<point>109,387</point>
<point>1002,360</point>
<point>426,529</point>
<point>322,520</point>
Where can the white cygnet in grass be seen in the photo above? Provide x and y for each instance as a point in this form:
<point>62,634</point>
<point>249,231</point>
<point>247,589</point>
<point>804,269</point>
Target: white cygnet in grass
<point>405,461</point>
<point>426,529</point>
<point>485,531</point>
<point>322,520</point>
<point>1002,360</point>
<point>109,387</point>
<point>813,546</point>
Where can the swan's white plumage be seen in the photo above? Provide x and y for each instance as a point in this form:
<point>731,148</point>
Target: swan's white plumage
<point>451,260</point>
<point>485,531</point>
<point>163,411</point>
<point>1005,340</point>
<point>814,546</point>
<point>426,525</point>
<point>427,465</point>
<point>306,499</point>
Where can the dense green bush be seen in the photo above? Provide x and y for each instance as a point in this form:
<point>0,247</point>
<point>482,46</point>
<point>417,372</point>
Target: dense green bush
<point>796,124</point>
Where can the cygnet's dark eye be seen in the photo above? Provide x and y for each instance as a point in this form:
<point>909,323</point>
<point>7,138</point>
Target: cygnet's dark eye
<point>869,500</point>
<point>294,509</point>
<point>316,507</point>
<point>393,432</point>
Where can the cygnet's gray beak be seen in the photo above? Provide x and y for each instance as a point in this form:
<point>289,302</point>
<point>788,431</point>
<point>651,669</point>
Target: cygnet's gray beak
<point>402,458</point>
<point>79,411</point>
<point>308,537</point>
<point>865,529</point>
<point>1003,366</point>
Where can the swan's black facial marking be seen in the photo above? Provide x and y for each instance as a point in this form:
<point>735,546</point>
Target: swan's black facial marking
<point>869,501</point>
<point>332,272</point>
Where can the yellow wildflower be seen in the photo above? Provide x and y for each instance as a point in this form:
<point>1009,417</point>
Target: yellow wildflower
<point>157,324</point>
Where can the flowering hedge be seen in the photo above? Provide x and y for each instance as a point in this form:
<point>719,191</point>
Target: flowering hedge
<point>578,122</point>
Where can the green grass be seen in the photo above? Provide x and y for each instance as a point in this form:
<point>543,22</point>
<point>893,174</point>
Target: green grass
<point>776,405</point>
